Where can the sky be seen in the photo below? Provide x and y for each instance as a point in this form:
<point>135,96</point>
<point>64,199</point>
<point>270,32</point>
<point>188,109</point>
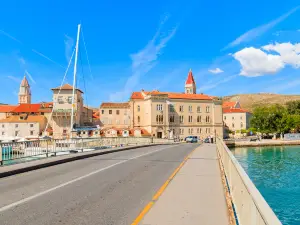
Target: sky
<point>232,47</point>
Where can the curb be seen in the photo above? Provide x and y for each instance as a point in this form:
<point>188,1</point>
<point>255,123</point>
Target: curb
<point>69,159</point>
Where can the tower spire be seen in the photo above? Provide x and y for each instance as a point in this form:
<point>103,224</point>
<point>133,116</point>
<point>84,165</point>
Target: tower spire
<point>190,84</point>
<point>24,92</point>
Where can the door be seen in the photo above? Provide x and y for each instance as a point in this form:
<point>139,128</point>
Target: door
<point>159,134</point>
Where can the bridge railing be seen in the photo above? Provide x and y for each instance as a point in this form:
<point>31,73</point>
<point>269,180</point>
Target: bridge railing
<point>250,206</point>
<point>28,150</point>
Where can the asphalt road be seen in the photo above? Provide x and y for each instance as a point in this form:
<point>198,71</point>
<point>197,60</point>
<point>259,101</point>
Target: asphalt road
<point>109,189</point>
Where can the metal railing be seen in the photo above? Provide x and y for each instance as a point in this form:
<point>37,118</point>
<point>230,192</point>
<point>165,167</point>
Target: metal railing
<point>250,206</point>
<point>22,151</point>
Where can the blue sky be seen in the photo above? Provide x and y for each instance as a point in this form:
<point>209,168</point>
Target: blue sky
<point>232,46</point>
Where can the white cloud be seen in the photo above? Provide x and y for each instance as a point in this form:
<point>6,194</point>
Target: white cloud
<point>255,62</point>
<point>212,85</point>
<point>22,61</point>
<point>30,77</point>
<point>69,42</point>
<point>258,31</point>
<point>216,71</point>
<point>144,60</point>
<point>16,79</point>
<point>288,52</point>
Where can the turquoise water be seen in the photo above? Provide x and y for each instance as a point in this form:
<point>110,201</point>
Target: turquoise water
<point>276,173</point>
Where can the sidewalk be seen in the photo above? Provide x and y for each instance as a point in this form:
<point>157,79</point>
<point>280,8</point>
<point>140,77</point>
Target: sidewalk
<point>195,195</point>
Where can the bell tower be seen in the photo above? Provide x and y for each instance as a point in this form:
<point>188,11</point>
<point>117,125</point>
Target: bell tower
<point>190,85</point>
<point>24,92</point>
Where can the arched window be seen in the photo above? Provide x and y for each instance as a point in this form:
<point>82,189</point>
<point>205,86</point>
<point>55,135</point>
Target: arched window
<point>198,119</point>
<point>157,119</point>
<point>198,109</point>
<point>207,109</point>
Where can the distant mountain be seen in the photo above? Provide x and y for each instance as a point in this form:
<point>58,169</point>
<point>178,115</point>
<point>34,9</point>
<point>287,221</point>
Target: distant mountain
<point>250,101</point>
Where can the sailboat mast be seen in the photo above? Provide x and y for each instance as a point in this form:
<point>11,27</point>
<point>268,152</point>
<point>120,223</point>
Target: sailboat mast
<point>74,79</point>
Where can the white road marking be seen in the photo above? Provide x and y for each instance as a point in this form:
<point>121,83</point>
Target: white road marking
<point>74,180</point>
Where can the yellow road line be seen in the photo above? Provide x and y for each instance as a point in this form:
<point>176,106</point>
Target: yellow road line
<point>161,190</point>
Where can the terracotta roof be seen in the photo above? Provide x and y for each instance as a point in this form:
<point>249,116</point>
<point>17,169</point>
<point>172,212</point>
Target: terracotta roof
<point>7,108</point>
<point>234,110</point>
<point>190,78</point>
<point>114,105</point>
<point>27,108</point>
<point>47,104</point>
<point>228,104</point>
<point>24,82</point>
<point>66,87</point>
<point>172,95</point>
<point>29,119</point>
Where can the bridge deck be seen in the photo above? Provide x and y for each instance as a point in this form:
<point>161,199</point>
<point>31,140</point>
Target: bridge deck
<point>194,196</point>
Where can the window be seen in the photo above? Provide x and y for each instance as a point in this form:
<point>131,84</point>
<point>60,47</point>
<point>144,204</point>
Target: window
<point>198,130</point>
<point>233,118</point>
<point>181,108</point>
<point>181,119</point>
<point>171,107</point>
<point>207,119</point>
<point>159,119</point>
<point>182,131</point>
<point>2,125</point>
<point>191,130</point>
<point>138,108</point>
<point>102,111</point>
<point>42,113</point>
<point>198,119</point>
<point>190,108</point>
<point>70,99</point>
<point>60,100</point>
<point>16,126</point>
<point>241,117</point>
<point>190,119</point>
<point>31,125</point>
<point>110,112</point>
<point>199,109</point>
<point>118,112</point>
<point>31,132</point>
<point>242,124</point>
<point>224,117</point>
<point>233,125</point>
<point>139,119</point>
<point>207,109</point>
<point>16,133</point>
<point>3,133</point>
<point>172,119</point>
<point>159,107</point>
<point>207,130</point>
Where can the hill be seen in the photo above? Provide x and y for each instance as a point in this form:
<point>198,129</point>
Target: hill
<point>250,101</point>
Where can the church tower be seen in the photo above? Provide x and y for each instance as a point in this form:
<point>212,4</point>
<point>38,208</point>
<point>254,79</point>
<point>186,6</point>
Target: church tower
<point>24,93</point>
<point>190,85</point>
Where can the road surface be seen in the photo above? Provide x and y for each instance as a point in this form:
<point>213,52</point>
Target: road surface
<point>109,189</point>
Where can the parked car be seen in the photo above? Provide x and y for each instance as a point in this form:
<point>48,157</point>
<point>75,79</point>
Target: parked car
<point>191,139</point>
<point>206,140</point>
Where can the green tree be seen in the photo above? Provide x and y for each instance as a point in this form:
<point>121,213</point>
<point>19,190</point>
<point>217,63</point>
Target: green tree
<point>293,107</point>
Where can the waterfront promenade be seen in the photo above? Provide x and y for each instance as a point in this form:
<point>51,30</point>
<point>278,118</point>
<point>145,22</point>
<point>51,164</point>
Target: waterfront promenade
<point>194,196</point>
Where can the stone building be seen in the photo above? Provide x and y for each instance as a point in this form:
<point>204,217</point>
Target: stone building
<point>169,114</point>
<point>24,92</point>
<point>234,117</point>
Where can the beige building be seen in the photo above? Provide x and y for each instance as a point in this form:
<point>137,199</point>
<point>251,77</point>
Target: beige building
<point>115,115</point>
<point>24,92</point>
<point>62,111</point>
<point>234,117</point>
<point>169,115</point>
<point>23,125</point>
